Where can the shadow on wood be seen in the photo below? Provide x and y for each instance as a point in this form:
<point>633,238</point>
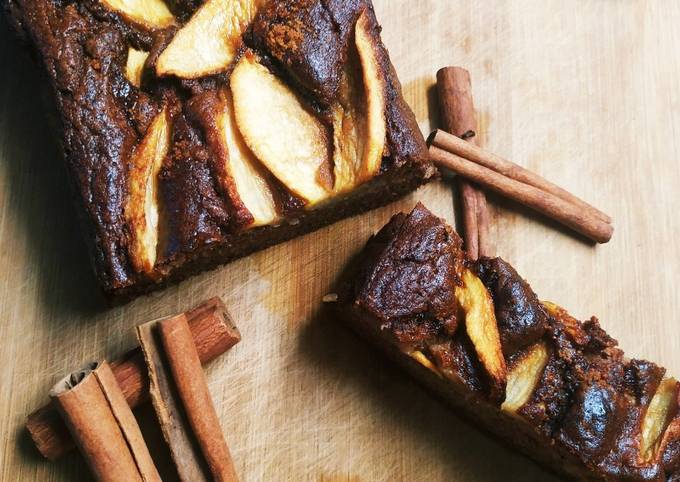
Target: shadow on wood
<point>39,195</point>
<point>69,467</point>
<point>457,446</point>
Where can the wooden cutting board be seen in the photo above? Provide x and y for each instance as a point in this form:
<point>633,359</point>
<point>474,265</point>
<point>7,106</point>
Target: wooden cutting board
<point>584,92</point>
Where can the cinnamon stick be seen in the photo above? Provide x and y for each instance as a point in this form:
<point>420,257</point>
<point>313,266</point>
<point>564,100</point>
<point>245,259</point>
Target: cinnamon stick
<point>193,391</point>
<point>185,453</point>
<point>103,426</point>
<point>485,245</point>
<point>554,207</point>
<point>458,118</point>
<point>474,153</point>
<point>213,332</point>
<point>470,208</point>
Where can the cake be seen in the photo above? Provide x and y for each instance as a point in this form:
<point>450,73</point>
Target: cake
<point>558,390</point>
<point>199,132</point>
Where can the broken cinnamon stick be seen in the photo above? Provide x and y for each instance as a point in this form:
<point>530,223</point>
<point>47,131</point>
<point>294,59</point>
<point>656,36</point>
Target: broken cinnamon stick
<point>213,332</point>
<point>458,118</point>
<point>554,207</point>
<point>103,426</point>
<point>181,400</point>
<point>168,407</point>
<point>474,153</point>
<point>192,387</point>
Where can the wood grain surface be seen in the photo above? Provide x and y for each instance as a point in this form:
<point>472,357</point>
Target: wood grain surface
<point>584,92</point>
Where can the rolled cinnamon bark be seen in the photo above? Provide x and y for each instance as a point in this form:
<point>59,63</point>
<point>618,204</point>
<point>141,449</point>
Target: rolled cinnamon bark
<point>180,397</point>
<point>486,247</point>
<point>544,202</point>
<point>102,424</point>
<point>474,153</point>
<point>458,118</point>
<point>177,434</point>
<point>471,206</point>
<point>193,391</point>
<point>213,332</point>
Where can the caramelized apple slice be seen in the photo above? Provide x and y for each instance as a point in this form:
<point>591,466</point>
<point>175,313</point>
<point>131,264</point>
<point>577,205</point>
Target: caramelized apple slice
<point>420,357</point>
<point>281,132</point>
<point>141,209</point>
<point>135,66</point>
<point>481,327</point>
<point>375,98</point>
<point>671,436</point>
<point>349,123</point>
<point>359,117</point>
<point>208,43</point>
<point>571,324</point>
<point>661,409</point>
<point>552,308</point>
<point>523,377</point>
<point>246,172</point>
<point>152,14</point>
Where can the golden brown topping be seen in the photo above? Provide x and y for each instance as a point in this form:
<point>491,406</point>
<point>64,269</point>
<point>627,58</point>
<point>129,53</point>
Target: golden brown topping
<point>247,173</point>
<point>481,327</point>
<point>279,129</point>
<point>359,127</point>
<point>571,324</point>
<point>209,42</point>
<point>374,84</point>
<point>658,416</point>
<point>141,209</point>
<point>152,14</point>
<point>135,66</point>
<point>524,376</point>
<point>348,128</point>
<point>424,361</point>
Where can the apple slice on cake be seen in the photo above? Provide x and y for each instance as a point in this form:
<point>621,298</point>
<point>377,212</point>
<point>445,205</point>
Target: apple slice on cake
<point>250,179</point>
<point>134,68</point>
<point>151,14</point>
<point>482,328</point>
<point>359,123</point>
<point>281,131</point>
<point>657,418</point>
<point>210,41</point>
<point>524,376</point>
<point>141,210</point>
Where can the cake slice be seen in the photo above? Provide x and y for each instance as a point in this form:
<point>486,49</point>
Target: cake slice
<point>199,132</point>
<point>558,390</point>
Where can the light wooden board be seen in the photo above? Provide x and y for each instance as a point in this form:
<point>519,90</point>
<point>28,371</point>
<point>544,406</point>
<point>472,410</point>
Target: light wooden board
<point>584,92</point>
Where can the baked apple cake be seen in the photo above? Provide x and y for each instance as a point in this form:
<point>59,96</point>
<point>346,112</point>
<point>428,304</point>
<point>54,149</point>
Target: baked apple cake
<point>559,390</point>
<point>197,132</point>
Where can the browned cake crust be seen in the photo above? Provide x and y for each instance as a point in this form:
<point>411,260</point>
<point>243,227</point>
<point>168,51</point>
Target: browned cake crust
<point>202,218</point>
<point>573,402</point>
